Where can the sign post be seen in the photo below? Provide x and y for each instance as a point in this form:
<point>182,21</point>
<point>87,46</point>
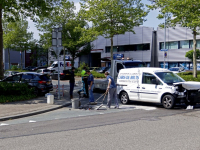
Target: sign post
<point>165,55</point>
<point>57,47</point>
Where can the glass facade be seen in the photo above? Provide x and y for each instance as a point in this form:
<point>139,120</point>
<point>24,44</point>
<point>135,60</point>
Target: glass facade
<point>123,48</point>
<point>179,44</point>
<point>184,44</point>
<point>185,65</point>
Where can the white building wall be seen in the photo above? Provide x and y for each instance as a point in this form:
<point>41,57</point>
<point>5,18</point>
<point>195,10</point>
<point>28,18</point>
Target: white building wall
<point>177,34</point>
<point>142,35</point>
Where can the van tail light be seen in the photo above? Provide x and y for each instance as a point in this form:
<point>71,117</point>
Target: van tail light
<point>61,73</point>
<point>42,82</point>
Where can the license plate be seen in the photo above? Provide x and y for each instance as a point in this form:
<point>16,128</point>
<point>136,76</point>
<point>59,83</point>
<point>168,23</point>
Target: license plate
<point>49,82</point>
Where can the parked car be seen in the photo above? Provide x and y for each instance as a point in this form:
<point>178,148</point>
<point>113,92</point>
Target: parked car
<point>65,75</point>
<point>30,68</point>
<point>44,71</point>
<point>9,73</point>
<point>93,68</point>
<point>102,69</point>
<point>177,69</point>
<point>41,83</point>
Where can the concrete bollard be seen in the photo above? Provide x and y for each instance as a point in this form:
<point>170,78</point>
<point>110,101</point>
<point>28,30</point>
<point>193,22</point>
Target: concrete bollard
<point>50,99</point>
<point>75,103</point>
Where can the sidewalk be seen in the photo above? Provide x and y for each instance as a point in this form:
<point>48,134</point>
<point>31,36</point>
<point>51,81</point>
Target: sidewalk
<point>35,106</point>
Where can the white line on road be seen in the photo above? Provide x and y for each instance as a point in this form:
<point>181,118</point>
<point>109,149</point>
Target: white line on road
<point>3,124</point>
<point>32,121</point>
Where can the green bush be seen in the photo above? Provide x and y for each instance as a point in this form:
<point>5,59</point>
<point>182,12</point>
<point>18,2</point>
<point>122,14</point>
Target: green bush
<point>14,67</point>
<point>15,91</point>
<point>82,65</point>
<point>189,78</point>
<point>94,73</point>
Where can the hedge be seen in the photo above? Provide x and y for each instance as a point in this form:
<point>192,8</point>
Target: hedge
<point>94,73</point>
<point>11,92</point>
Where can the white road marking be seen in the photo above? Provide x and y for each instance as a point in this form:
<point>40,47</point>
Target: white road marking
<point>136,107</point>
<point>101,113</point>
<point>4,124</point>
<point>32,121</point>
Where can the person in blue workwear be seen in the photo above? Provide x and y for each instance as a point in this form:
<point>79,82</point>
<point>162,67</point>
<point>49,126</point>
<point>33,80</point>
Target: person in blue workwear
<point>111,90</point>
<point>90,86</point>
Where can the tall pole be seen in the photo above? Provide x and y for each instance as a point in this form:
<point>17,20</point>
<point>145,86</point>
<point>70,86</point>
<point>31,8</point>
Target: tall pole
<point>58,73</point>
<point>164,41</point>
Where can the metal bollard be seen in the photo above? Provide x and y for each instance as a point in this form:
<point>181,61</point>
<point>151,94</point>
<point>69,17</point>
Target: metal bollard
<point>75,103</point>
<point>50,99</point>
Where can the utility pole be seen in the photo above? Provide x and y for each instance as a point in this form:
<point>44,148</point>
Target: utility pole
<point>57,47</point>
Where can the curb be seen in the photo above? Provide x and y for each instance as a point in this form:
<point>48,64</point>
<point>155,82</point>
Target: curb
<point>33,113</point>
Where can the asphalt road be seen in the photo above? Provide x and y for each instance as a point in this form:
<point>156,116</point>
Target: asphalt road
<point>141,126</point>
<point>138,126</point>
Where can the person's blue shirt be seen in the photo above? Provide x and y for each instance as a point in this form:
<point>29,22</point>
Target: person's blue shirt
<point>90,78</point>
<point>112,85</point>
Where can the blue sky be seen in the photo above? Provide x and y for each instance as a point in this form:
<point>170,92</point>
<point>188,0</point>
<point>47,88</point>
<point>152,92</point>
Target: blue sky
<point>152,21</point>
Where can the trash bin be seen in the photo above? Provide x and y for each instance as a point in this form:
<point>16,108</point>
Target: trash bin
<point>50,99</point>
<point>75,103</point>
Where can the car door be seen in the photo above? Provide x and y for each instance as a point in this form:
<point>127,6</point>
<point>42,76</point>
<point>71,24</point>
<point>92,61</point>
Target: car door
<point>150,88</point>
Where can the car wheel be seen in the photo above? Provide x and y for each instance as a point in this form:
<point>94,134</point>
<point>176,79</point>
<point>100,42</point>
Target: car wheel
<point>168,101</point>
<point>124,98</point>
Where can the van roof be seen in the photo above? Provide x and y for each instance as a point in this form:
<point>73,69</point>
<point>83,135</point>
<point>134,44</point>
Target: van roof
<point>144,69</point>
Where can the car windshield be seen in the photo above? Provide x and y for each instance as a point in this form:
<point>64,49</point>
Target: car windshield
<point>169,77</point>
<point>174,69</point>
<point>134,64</point>
<point>54,65</point>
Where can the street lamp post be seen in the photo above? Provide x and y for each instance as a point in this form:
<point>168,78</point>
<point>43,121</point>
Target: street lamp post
<point>57,47</point>
<point>164,41</point>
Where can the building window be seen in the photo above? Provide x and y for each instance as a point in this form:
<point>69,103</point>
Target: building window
<point>122,48</point>
<point>169,45</point>
<point>184,44</point>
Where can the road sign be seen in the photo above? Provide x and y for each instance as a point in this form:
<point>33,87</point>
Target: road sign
<point>165,54</point>
<point>164,50</point>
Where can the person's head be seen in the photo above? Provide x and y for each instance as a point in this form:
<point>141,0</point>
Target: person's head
<point>84,68</point>
<point>73,68</point>
<point>88,72</point>
<point>106,73</point>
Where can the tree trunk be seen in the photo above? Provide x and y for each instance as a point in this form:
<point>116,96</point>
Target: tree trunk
<point>9,57</point>
<point>73,61</point>
<point>194,54</point>
<point>1,46</point>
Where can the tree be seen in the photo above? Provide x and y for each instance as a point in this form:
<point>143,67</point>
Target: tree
<point>111,17</point>
<point>64,16</point>
<point>16,36</point>
<point>189,54</point>
<point>183,12</point>
<point>11,10</point>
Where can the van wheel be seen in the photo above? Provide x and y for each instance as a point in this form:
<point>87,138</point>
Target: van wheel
<point>124,98</point>
<point>168,101</point>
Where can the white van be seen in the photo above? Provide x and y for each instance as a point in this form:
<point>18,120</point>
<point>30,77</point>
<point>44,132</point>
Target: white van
<point>54,66</point>
<point>156,85</point>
